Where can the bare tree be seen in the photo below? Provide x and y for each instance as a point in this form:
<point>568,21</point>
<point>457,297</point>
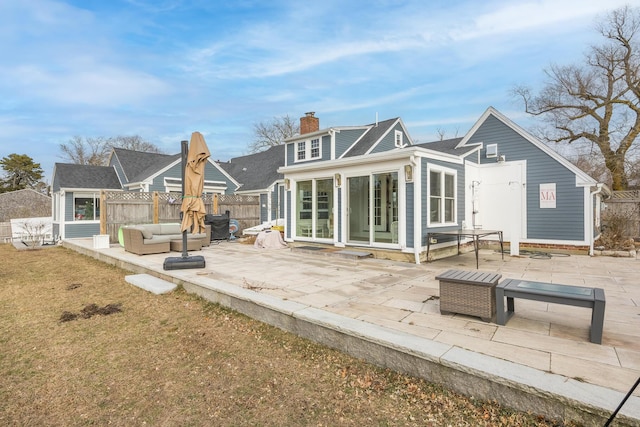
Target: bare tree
<point>134,142</point>
<point>598,101</point>
<point>272,133</point>
<point>87,151</point>
<point>442,133</point>
<point>95,151</point>
<point>593,166</point>
<point>33,232</point>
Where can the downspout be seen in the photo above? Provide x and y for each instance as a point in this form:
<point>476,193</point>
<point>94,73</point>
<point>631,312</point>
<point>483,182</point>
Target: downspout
<point>592,218</point>
<point>417,208</point>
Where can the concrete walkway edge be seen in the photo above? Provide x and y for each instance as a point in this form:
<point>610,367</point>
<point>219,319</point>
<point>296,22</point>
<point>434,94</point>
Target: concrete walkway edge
<point>472,374</point>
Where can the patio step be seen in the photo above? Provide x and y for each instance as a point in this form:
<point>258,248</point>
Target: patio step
<point>150,283</point>
<point>334,252</point>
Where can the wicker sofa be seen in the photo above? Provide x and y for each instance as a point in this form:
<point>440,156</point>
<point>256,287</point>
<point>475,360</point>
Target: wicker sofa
<point>146,239</point>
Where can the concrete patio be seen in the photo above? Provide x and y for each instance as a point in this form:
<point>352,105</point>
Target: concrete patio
<point>388,313</point>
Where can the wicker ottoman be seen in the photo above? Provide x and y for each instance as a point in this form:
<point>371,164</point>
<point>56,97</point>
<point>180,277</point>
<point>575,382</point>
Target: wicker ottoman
<point>192,245</point>
<point>468,292</point>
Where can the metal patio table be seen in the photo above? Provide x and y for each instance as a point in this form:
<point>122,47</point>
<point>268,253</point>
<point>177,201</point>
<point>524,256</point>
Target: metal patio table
<point>476,235</point>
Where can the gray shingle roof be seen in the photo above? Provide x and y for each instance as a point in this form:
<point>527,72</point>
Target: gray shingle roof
<point>372,135</point>
<point>256,171</point>
<point>447,146</point>
<point>71,175</point>
<point>138,165</point>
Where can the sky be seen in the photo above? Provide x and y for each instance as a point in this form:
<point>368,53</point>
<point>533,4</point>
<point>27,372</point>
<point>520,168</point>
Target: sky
<point>162,69</point>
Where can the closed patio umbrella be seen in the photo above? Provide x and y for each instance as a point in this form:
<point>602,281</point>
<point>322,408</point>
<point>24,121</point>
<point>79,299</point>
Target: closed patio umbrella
<point>193,210</point>
<point>194,160</point>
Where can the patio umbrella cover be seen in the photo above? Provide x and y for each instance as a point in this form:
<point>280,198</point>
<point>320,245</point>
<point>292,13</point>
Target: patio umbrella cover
<point>193,210</point>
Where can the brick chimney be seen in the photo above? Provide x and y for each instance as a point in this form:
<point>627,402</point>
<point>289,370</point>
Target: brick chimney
<point>309,123</point>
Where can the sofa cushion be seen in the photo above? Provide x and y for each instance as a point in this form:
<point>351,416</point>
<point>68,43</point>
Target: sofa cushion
<point>146,233</point>
<point>159,238</point>
<point>170,228</point>
<point>153,229</point>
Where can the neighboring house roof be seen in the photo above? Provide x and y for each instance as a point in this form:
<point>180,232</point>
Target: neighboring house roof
<point>71,175</point>
<point>27,203</point>
<point>139,165</point>
<point>371,136</point>
<point>256,171</point>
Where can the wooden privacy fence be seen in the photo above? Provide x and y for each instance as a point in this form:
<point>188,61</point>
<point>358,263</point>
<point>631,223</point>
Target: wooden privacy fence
<point>120,208</point>
<point>623,210</point>
<point>5,232</point>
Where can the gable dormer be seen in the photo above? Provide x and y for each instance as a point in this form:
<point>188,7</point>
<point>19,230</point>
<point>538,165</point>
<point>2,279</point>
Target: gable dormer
<point>311,145</point>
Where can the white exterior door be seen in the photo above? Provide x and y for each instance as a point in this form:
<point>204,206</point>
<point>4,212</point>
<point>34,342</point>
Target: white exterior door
<point>500,201</point>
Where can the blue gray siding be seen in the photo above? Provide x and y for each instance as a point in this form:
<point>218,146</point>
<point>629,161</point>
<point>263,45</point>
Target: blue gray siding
<point>81,229</point>
<point>290,153</point>
<point>326,147</point>
<point>345,139</point>
<point>281,201</point>
<point>473,157</point>
<point>69,212</point>
<point>211,173</point>
<point>409,215</point>
<point>264,208</point>
<point>566,221</point>
<point>389,141</point>
<point>118,168</point>
<point>274,202</point>
<point>174,172</point>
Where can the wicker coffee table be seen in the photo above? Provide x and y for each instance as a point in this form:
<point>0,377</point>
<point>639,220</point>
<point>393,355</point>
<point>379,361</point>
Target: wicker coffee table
<point>468,292</point>
<point>192,245</point>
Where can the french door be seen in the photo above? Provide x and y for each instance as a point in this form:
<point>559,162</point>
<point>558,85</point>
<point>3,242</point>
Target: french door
<point>314,209</point>
<point>372,208</point>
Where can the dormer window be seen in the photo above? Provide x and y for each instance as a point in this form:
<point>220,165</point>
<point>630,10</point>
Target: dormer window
<point>315,148</point>
<point>399,139</point>
<point>308,150</point>
<point>302,150</point>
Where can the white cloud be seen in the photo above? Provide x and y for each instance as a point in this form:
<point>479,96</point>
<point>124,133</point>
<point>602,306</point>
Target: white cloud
<point>538,15</point>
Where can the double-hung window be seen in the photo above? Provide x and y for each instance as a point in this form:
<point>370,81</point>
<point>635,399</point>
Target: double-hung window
<point>442,196</point>
<point>302,150</point>
<point>308,150</point>
<point>315,148</point>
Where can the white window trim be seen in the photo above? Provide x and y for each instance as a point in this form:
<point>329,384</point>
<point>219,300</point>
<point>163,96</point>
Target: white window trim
<point>298,151</point>
<point>443,171</point>
<point>307,150</point>
<point>492,150</point>
<point>86,195</point>
<point>398,139</point>
<point>56,207</point>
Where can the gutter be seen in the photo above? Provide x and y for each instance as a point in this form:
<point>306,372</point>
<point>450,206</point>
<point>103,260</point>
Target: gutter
<point>591,210</point>
<point>416,163</point>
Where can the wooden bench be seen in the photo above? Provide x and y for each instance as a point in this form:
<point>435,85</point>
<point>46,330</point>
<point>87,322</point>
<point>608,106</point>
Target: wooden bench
<point>578,296</point>
<point>468,292</point>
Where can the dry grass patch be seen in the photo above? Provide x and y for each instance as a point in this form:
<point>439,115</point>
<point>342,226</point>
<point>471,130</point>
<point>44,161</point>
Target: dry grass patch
<point>129,357</point>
